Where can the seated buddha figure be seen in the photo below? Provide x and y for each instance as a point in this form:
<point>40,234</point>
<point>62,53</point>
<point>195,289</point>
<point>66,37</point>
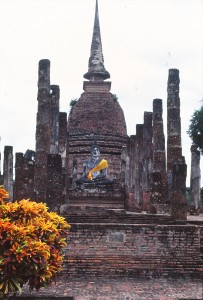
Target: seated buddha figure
<point>94,171</point>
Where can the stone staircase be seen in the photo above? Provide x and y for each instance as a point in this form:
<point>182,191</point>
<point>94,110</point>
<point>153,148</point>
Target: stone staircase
<point>92,215</point>
<point>98,200</point>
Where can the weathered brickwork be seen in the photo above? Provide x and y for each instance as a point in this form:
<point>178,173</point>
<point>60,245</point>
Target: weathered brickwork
<point>178,192</point>
<point>139,165</point>
<point>62,137</point>
<point>174,148</point>
<point>136,164</point>
<point>147,153</point>
<point>159,186</point>
<point>47,127</point>
<point>135,224</point>
<point>24,179</point>
<point>54,119</point>
<point>54,196</point>
<point>142,250</point>
<point>97,113</point>
<point>43,130</point>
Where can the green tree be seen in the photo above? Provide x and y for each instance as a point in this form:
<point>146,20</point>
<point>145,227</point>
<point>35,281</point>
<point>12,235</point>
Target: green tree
<point>196,128</point>
<point>31,242</point>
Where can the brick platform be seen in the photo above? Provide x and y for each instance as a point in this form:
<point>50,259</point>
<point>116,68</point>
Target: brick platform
<point>120,244</point>
<point>124,289</point>
<point>152,286</point>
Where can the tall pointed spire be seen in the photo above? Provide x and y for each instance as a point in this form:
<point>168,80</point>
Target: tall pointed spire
<point>96,69</point>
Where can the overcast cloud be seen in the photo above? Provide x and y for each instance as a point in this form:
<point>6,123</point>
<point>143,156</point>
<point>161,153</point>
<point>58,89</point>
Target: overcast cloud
<point>141,40</point>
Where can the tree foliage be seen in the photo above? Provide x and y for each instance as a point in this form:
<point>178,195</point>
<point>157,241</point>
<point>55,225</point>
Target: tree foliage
<point>31,242</point>
<point>196,128</point>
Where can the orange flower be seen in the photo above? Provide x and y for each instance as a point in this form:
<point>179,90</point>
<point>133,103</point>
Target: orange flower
<point>3,193</point>
<point>31,242</point>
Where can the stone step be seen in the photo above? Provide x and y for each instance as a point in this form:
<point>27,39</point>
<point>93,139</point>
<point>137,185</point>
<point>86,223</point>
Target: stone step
<point>119,219</point>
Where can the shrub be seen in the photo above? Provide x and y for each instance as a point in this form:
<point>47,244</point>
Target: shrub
<point>31,242</point>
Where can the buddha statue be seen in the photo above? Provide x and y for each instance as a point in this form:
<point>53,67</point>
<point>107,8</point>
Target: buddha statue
<point>94,172</point>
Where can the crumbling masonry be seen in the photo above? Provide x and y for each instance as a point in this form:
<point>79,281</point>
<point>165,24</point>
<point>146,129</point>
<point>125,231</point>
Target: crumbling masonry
<point>143,212</point>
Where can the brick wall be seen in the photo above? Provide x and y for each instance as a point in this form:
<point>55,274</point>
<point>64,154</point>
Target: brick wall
<point>133,250</point>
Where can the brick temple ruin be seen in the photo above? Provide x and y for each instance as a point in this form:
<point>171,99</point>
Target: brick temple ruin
<point>132,220</point>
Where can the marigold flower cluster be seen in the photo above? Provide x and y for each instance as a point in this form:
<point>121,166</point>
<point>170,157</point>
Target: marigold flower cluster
<point>31,242</point>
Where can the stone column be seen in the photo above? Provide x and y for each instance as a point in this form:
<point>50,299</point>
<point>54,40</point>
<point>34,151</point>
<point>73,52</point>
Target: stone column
<point>62,144</point>
<point>8,170</point>
<point>43,130</point>
<point>54,198</point>
<point>68,170</point>
<point>178,190</point>
<point>147,156</point>
<point>195,179</point>
<point>62,136</point>
<point>54,115</point>
<point>174,148</point>
<point>18,190</point>
<point>24,175</point>
<point>125,175</point>
<point>159,180</point>
<point>139,165</point>
<point>176,166</point>
<point>125,170</point>
<point>132,173</point>
<point>132,149</point>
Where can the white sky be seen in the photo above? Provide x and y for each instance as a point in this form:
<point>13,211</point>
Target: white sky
<point>141,40</point>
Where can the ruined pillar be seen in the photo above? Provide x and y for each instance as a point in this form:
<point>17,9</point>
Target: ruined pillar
<point>125,171</point>
<point>44,75</point>
<point>68,170</point>
<point>147,157</point>
<point>18,190</point>
<point>195,179</point>
<point>139,165</point>
<point>24,175</point>
<point>124,175</point>
<point>62,148</point>
<point>62,136</point>
<point>159,153</point>
<point>174,148</point>
<point>159,180</point>
<point>43,130</point>
<point>54,198</point>
<point>8,170</point>
<point>178,190</point>
<point>132,147</point>
<point>176,166</point>
<point>131,205</point>
<point>54,118</point>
